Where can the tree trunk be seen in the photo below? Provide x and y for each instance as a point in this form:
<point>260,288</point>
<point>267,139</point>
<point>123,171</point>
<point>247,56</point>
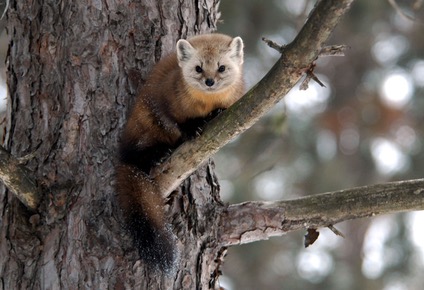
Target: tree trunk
<point>74,67</point>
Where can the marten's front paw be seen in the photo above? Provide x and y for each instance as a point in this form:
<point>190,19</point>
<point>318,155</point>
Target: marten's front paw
<point>213,114</point>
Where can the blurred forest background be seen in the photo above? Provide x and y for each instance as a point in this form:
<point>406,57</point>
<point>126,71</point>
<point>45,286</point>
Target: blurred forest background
<point>364,127</point>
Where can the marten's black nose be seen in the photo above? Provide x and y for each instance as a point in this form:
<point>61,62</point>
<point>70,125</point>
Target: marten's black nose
<point>209,82</point>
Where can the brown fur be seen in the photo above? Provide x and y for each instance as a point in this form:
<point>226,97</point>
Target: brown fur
<point>168,109</point>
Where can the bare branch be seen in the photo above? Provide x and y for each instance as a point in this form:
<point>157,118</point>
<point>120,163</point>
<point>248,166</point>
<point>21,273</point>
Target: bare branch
<point>19,180</point>
<point>296,57</point>
<point>274,45</point>
<point>253,221</point>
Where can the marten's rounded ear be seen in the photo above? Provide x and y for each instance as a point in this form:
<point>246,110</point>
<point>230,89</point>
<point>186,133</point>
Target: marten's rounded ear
<point>185,51</point>
<point>236,49</point>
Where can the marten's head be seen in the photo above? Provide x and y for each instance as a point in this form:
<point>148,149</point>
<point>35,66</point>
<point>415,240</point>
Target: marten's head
<point>211,62</point>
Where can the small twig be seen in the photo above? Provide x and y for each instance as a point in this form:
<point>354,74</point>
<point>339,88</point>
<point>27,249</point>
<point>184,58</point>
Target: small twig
<point>5,9</point>
<point>333,50</point>
<point>336,231</point>
<point>273,44</point>
<point>315,78</point>
<point>310,75</point>
<point>400,11</point>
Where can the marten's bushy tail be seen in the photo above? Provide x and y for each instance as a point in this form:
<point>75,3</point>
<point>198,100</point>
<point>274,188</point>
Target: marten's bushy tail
<point>143,209</point>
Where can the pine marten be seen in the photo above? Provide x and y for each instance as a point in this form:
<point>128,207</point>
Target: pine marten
<point>183,90</point>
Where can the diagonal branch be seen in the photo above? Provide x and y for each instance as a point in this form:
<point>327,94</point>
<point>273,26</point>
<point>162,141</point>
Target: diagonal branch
<point>19,180</point>
<point>296,58</point>
<point>252,221</point>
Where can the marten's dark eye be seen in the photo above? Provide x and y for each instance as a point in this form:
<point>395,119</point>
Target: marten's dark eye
<point>199,69</point>
<point>221,68</point>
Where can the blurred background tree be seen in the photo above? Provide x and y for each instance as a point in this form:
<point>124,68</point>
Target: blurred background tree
<point>364,127</point>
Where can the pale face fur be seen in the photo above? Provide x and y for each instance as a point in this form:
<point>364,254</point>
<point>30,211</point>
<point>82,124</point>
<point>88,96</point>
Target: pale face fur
<point>211,63</point>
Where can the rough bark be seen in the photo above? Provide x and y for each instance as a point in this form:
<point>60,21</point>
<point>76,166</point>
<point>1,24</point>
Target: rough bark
<point>70,66</point>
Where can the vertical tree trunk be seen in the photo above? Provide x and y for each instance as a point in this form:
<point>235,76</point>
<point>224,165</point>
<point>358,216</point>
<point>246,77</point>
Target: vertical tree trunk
<point>70,63</point>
